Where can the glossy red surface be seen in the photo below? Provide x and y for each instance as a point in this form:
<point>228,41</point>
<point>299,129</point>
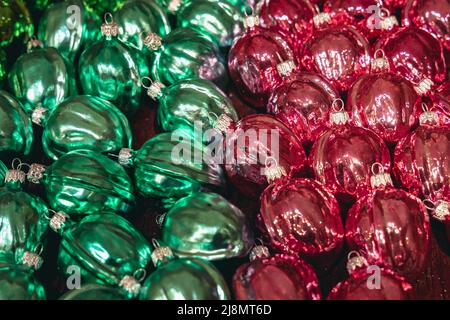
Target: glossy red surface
<point>385,103</point>
<point>339,53</point>
<point>392,287</point>
<point>303,103</point>
<point>302,217</point>
<point>441,102</point>
<point>390,228</point>
<point>342,158</point>
<point>280,277</point>
<point>430,15</point>
<point>252,63</point>
<point>246,158</point>
<point>293,17</point>
<point>422,162</point>
<point>414,54</point>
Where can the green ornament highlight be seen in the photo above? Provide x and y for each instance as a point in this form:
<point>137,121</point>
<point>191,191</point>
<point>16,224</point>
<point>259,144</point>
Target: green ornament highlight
<point>16,131</point>
<point>112,70</point>
<point>41,78</point>
<point>23,222</point>
<point>2,67</point>
<point>224,20</point>
<point>138,16</point>
<point>94,291</point>
<point>3,171</point>
<point>108,250</point>
<point>40,4</point>
<point>101,7</point>
<point>183,279</point>
<point>188,103</point>
<point>15,22</point>
<point>85,122</point>
<point>185,54</point>
<point>206,225</point>
<point>17,283</point>
<point>163,171</point>
<point>173,6</point>
<point>69,27</point>
<point>84,182</point>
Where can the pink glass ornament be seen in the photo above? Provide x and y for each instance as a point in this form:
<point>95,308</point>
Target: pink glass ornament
<point>302,102</point>
<point>303,218</point>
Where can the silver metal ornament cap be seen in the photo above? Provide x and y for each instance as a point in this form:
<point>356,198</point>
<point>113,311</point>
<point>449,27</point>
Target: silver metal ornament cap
<point>15,175</point>
<point>251,21</point>
<point>38,115</point>
<point>442,210</point>
<point>36,173</point>
<point>58,221</point>
<point>125,157</point>
<point>259,252</point>
<point>109,28</point>
<point>32,260</point>
<point>424,86</point>
<point>223,122</point>
<point>380,178</point>
<point>428,117</point>
<point>285,68</point>
<point>355,261</point>
<point>131,285</point>
<point>321,18</point>
<point>273,171</point>
<point>338,115</point>
<point>161,254</point>
<point>154,90</point>
<point>379,63</point>
<point>153,41</point>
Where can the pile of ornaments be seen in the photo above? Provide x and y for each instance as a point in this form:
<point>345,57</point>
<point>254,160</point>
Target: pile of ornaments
<point>355,90</point>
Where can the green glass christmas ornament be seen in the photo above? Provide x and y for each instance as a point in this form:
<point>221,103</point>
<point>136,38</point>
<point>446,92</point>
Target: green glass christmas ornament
<point>138,16</point>
<point>23,221</point>
<point>42,77</point>
<point>85,122</point>
<point>219,20</point>
<point>103,6</point>
<point>84,182</point>
<point>185,54</point>
<point>15,22</point>
<point>69,27</point>
<point>183,279</point>
<point>206,225</point>
<point>17,283</point>
<point>2,67</point>
<point>112,70</point>
<point>94,291</point>
<point>162,169</point>
<point>188,104</point>
<point>16,131</point>
<point>173,6</point>
<point>106,248</point>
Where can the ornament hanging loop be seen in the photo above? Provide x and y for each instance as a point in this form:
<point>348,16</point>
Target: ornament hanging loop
<point>273,171</point>
<point>109,28</point>
<point>355,261</point>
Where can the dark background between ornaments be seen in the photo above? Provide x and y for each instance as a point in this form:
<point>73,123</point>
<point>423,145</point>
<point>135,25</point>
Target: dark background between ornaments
<point>433,283</point>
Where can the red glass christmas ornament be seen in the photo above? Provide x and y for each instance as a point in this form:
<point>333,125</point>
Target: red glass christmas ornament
<point>390,227</point>
<point>343,155</point>
<point>430,15</point>
<point>280,277</point>
<point>384,102</point>
<point>441,102</point>
<point>422,159</point>
<point>292,17</point>
<point>252,144</point>
<point>395,4</point>
<point>253,61</point>
<point>302,102</point>
<point>371,283</point>
<point>415,55</point>
<point>336,50</point>
<point>303,218</point>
